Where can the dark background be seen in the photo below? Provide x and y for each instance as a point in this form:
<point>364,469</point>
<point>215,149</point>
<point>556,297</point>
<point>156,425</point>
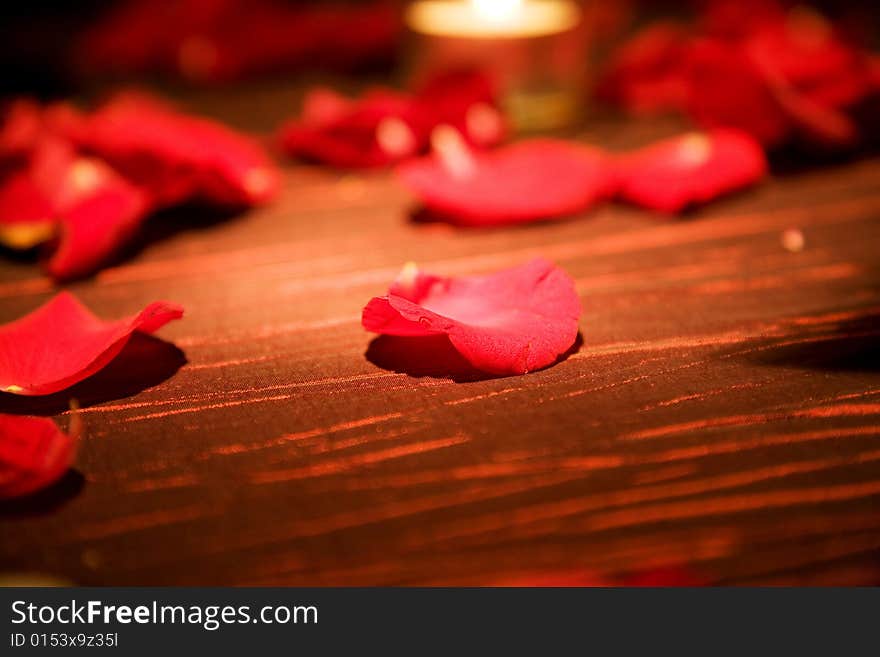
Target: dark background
<point>36,38</point>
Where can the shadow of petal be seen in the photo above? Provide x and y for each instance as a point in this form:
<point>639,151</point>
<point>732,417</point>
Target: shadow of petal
<point>146,361</point>
<point>850,346</point>
<point>434,356</point>
<point>45,500</point>
<point>167,223</point>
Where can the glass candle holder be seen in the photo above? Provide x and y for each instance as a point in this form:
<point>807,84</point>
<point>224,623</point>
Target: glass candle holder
<point>536,51</point>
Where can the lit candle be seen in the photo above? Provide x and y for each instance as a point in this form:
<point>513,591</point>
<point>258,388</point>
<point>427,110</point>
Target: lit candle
<point>493,18</point>
<point>532,47</point>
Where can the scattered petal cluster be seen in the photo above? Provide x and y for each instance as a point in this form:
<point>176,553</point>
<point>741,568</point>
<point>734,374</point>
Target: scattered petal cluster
<point>81,184</point>
<point>385,126</point>
<point>47,351</point>
<point>785,76</point>
<point>542,179</point>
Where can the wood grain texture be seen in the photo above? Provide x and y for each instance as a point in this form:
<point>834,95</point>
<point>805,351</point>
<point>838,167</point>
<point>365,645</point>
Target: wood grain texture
<point>722,412</point>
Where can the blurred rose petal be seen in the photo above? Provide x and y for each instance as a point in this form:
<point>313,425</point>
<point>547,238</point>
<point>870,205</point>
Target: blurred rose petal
<point>34,453</point>
<point>178,157</point>
<point>690,169</point>
<point>466,99</point>
<point>378,129</point>
<point>527,181</point>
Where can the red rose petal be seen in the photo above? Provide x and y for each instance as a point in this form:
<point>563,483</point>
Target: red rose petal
<point>690,169</point>
<point>527,181</point>
<point>467,100</point>
<point>815,116</point>
<point>819,123</point>
<point>782,75</point>
<point>727,90</point>
<point>101,212</point>
<point>803,48</point>
<point>324,106</point>
<point>62,343</point>
<point>90,206</point>
<point>383,127</point>
<point>27,215</point>
<point>178,157</point>
<point>737,19</point>
<point>27,126</point>
<point>646,74</point>
<point>21,126</point>
<point>378,129</point>
<point>34,453</point>
<point>31,195</point>
<point>511,322</point>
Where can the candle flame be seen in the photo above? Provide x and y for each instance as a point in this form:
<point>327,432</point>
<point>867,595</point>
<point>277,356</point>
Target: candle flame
<point>496,10</point>
<point>488,19</point>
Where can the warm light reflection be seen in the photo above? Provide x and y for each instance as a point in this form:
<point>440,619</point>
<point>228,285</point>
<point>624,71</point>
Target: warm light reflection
<point>497,11</point>
<point>453,152</point>
<point>492,18</point>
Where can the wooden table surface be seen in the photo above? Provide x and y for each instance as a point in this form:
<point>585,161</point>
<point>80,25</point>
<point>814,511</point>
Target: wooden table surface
<point>721,414</point>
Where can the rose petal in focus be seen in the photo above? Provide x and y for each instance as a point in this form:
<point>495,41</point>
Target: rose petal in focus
<point>527,181</point>
<point>62,343</point>
<point>511,322</point>
<point>34,453</point>
<point>690,169</point>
